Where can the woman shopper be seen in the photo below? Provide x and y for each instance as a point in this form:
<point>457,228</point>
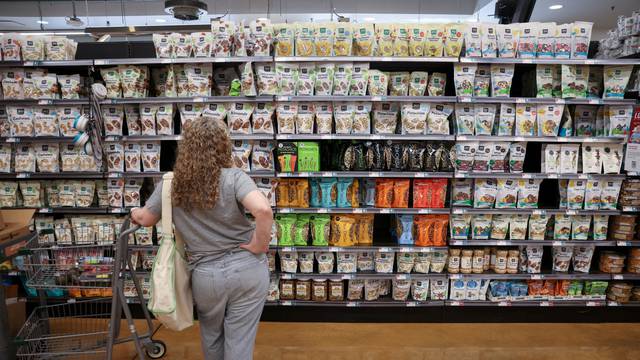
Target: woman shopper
<point>226,251</point>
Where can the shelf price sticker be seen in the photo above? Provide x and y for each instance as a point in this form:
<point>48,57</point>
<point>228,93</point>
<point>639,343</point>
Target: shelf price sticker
<point>560,101</point>
<point>346,277</point>
<point>286,303</point>
<point>557,243</point>
<point>45,102</point>
<point>23,175</point>
<point>420,175</point>
<point>536,277</point>
<point>618,277</point>
<point>504,303</point>
<point>502,242</point>
<point>12,140</point>
<point>424,211</point>
<point>334,249</point>
<point>351,304</point>
<point>546,303</point>
<point>465,99</point>
<point>374,174</point>
<point>458,211</point>
<point>358,211</point>
<point>455,276</point>
<point>198,99</point>
<point>44,210</point>
<point>539,212</point>
<point>288,248</point>
<point>624,243</point>
<point>457,303</point>
<point>376,98</point>
<point>384,249</point>
<point>572,212</point>
<point>284,211</point>
<point>527,61</point>
<point>328,174</point>
<point>593,303</point>
<point>521,100</point>
<point>411,304</point>
<point>519,138</point>
<point>402,277</point>
<point>385,211</point>
<point>610,303</point>
<point>406,249</point>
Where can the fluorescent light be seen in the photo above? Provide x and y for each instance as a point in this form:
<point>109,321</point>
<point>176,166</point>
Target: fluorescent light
<point>556,7</point>
<point>369,18</point>
<point>161,20</point>
<point>44,22</point>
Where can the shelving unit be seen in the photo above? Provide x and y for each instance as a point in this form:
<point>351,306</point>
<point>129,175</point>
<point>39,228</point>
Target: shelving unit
<point>375,247</point>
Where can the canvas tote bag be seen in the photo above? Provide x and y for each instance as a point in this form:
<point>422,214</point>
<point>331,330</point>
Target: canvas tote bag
<point>171,301</point>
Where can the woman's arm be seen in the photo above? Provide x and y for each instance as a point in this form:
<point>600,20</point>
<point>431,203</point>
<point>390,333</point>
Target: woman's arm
<point>144,217</point>
<point>259,207</point>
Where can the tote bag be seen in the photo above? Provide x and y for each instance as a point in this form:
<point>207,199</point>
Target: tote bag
<point>171,301</point>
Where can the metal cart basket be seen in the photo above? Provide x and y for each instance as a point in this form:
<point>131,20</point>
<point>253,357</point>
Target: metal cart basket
<point>84,329</point>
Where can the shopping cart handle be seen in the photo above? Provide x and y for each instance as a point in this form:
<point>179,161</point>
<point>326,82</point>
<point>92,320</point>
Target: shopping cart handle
<point>126,229</point>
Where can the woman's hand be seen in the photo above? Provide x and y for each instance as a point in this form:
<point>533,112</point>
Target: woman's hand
<point>255,246</point>
<point>143,217</point>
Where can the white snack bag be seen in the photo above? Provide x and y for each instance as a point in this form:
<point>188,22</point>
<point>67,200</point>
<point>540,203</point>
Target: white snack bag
<point>619,120</point>
<point>148,119</point>
<point>223,31</point>
<point>546,40</point>
<point>25,159</point>
<point>47,156</point>
<point>132,157</point>
<point>489,40</point>
<point>528,42</point>
<point>438,119</point>
<point>202,43</point>
<point>612,161</point>
<point>45,121</point>
<point>508,37</point>
<point>11,44</point>
<point>115,157</point>
<point>562,46</point>
<point>164,119</point>
<point>263,118</point>
<point>70,156</point>
<point>5,158</point>
<point>162,45</point>
<point>569,158</point>
<point>150,156</point>
<point>473,40</point>
<point>20,120</point>
<point>464,75</point>
<point>581,37</point>
<point>12,79</point>
<point>267,79</point>
<point>414,117</point>
<point>616,79</point>
<point>113,117</point>
<point>199,78</point>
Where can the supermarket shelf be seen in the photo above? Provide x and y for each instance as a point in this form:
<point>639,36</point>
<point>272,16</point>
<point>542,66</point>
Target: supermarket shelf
<point>135,175</point>
<point>408,137</point>
<point>631,208</point>
<point>285,210</point>
<point>625,276</point>
<point>143,138</point>
<point>373,248</point>
<point>627,304</point>
<point>366,58</point>
<point>542,276</point>
<point>60,175</point>
<point>527,303</point>
<point>482,175</point>
<point>530,242</point>
<point>533,100</point>
<point>359,303</point>
<point>187,100</point>
<point>432,99</point>
<point>145,61</point>
<point>39,139</point>
<point>25,102</point>
<point>549,61</point>
<point>258,174</point>
<point>628,243</point>
<point>46,63</point>
<point>366,174</point>
<point>534,211</point>
<point>73,210</point>
<point>362,275</point>
<point>549,139</point>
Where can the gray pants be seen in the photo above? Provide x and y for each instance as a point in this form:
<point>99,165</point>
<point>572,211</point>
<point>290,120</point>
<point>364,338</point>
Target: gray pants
<point>229,294</point>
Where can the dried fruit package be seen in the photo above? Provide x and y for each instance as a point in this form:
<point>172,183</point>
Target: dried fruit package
<point>581,37</point>
<point>546,40</point>
<point>304,40</point>
<point>508,38</point>
<point>464,75</point>
<point>343,39</point>
<point>223,32</point>
<point>284,37</point>
<point>182,45</point>
<point>526,116</point>
<point>239,116</point>
<point>453,39</point>
<point>324,37</point>
<point>113,117</point>
<point>473,41</point>
<point>364,40</point>
<point>202,44</point>
<point>548,119</point>
<point>562,46</point>
<point>262,118</point>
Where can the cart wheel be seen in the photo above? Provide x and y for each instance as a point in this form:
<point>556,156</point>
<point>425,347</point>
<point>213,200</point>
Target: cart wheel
<point>157,349</point>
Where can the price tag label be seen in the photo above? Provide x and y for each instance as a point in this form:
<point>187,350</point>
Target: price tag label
<point>557,243</point>
<point>374,174</point>
<point>612,303</point>
<point>376,98</point>
<point>536,277</point>
<point>526,176</point>
<point>553,176</point>
<point>322,211</point>
<point>346,277</point>
<point>286,276</point>
<point>572,212</point>
<point>286,303</point>
<point>624,243</point>
<point>376,137</point>
<point>465,99</point>
<point>518,138</point>
<point>23,175</point>
<point>455,276</point>
<point>420,175</point>
<point>545,303</point>
<point>385,211</point>
<point>44,210</point>
<point>334,249</point>
<point>284,211</point>
<point>406,249</point>
<point>504,303</point>
<point>166,61</point>
<point>538,212</point>
<point>12,140</point>
<point>386,58</point>
<point>594,101</point>
<point>328,174</point>
<point>99,62</point>
<point>411,304</point>
<point>591,303</point>
<point>358,211</point>
<point>463,137</point>
<point>384,249</point>
<point>583,176</point>
<point>288,248</point>
<point>560,101</point>
<point>71,301</point>
<point>502,243</point>
<point>198,100</point>
<point>45,102</point>
<point>589,62</point>
<point>425,211</point>
<point>352,304</point>
<point>458,211</point>
<point>521,100</point>
<point>618,277</point>
<point>326,137</point>
<point>457,303</point>
<point>527,61</point>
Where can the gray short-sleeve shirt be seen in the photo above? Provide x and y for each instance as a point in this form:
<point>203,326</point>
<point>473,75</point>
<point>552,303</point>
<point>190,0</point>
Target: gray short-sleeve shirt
<point>210,233</point>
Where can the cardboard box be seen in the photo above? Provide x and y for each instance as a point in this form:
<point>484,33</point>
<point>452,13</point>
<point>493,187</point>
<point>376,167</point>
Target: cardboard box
<point>16,309</point>
<point>16,225</point>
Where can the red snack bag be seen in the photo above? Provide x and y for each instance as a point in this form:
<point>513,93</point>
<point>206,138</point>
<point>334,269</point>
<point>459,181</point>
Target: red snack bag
<point>438,193</point>
<point>421,193</point>
<point>548,288</point>
<point>384,193</point>
<point>424,229</point>
<point>535,287</point>
<point>440,227</point>
<point>401,193</point>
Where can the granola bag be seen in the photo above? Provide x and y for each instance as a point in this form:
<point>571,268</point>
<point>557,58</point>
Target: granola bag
<point>284,37</point>
<point>223,31</point>
<point>202,43</point>
<point>113,117</point>
<point>148,119</point>
<point>262,118</point>
<point>267,79</point>
<point>304,40</point>
<point>199,78</point>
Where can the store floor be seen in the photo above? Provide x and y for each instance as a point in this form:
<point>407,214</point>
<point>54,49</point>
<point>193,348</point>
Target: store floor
<point>349,341</point>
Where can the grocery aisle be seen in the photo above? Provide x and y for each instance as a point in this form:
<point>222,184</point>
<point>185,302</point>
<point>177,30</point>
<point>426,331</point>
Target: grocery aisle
<point>302,341</point>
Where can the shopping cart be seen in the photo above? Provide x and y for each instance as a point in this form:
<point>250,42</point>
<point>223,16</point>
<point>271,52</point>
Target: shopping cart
<point>84,329</point>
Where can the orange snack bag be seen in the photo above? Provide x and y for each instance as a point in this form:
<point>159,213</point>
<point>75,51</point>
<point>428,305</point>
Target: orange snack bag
<point>364,229</point>
<point>441,225</point>
<point>421,193</point>
<point>282,193</point>
<point>401,193</point>
<point>535,287</point>
<point>384,193</point>
<point>343,230</point>
<point>353,192</point>
<point>302,193</point>
<point>562,287</point>
<point>548,288</point>
<point>424,228</point>
<point>438,194</point>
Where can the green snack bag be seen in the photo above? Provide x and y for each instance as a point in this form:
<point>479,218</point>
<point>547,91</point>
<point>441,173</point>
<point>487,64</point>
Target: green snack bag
<point>302,230</point>
<point>308,156</point>
<point>285,227</point>
<point>320,229</point>
<point>236,88</point>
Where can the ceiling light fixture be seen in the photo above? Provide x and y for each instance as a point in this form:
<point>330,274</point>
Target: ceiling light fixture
<point>161,20</point>
<point>44,22</point>
<point>556,7</point>
<point>185,9</point>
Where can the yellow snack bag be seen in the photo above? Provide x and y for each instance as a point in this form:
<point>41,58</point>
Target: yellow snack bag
<point>343,39</point>
<point>434,40</point>
<point>284,35</point>
<point>324,35</point>
<point>352,193</point>
<point>417,39</point>
<point>305,37</point>
<point>400,40</point>
<point>363,40</point>
<point>364,229</point>
<point>453,40</point>
<point>384,34</point>
<point>343,230</point>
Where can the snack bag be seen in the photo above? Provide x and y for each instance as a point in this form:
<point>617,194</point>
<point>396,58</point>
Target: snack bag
<point>364,39</point>
<point>384,193</point>
<point>385,37</point>
<point>286,229</point>
<point>417,39</point>
<point>401,38</point>
<point>304,40</point>
<point>546,40</point>
<point>324,38</point>
<point>562,46</point>
<point>615,81</point>
<point>343,231</point>
<point>284,37</point>
<point>489,40</point>
<point>404,229</point>
<point>464,75</point>
<point>454,37</point>
<point>581,35</point>
<point>473,40</point>
<point>343,39</point>
<point>508,38</point>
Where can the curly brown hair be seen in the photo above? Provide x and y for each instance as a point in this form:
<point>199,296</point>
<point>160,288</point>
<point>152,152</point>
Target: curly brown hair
<point>204,150</point>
